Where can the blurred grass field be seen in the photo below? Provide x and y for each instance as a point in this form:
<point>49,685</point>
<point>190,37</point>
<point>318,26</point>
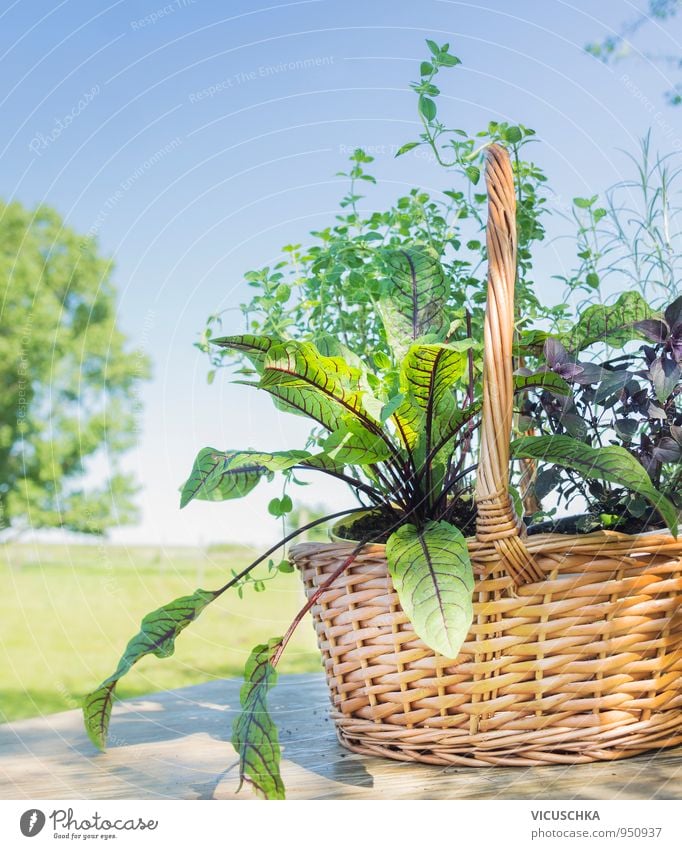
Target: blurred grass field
<point>67,612</point>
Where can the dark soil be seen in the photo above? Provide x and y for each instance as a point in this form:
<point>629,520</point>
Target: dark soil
<point>378,525</point>
<point>374,527</point>
<point>587,524</point>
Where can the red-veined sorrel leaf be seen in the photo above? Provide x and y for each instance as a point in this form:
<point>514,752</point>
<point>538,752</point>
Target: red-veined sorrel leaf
<point>612,324</point>
<point>325,389</point>
<point>415,304</point>
<point>432,574</point>
<point>541,380</point>
<point>254,734</point>
<point>220,475</point>
<point>255,348</point>
<point>352,444</point>
<point>428,375</point>
<point>452,427</point>
<point>157,634</point>
<point>300,366</point>
<point>612,464</point>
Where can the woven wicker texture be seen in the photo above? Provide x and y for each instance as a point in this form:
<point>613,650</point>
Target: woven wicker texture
<point>575,652</point>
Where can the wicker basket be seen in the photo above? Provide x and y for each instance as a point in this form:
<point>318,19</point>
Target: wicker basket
<point>575,653</point>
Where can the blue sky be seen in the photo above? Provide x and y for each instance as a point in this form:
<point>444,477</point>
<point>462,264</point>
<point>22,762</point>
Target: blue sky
<point>195,151</point>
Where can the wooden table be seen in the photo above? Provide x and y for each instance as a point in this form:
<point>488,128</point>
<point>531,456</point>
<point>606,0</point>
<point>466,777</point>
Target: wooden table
<point>175,745</point>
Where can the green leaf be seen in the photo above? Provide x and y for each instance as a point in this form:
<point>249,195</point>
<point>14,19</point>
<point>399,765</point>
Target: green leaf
<point>220,475</point>
<point>473,173</point>
<point>531,342</point>
<point>407,147</point>
<point>455,423</point>
<point>157,635</point>
<point>254,734</point>
<point>391,406</point>
<point>428,376</point>
<point>415,303</point>
<point>432,574</point>
<point>323,388</point>
<point>254,347</point>
<point>584,203</point>
<point>612,464</point>
<point>323,462</point>
<point>283,293</point>
<point>427,108</point>
<point>279,507</point>
<point>448,60</point>
<point>364,379</point>
<point>425,69</point>
<point>433,47</point>
<point>517,501</point>
<point>353,444</point>
<point>541,380</point>
<point>382,361</point>
<point>330,346</point>
<point>513,135</point>
<point>329,391</point>
<point>613,325</point>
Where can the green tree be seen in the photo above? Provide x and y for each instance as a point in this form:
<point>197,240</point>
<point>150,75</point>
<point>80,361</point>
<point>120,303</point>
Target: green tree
<point>68,378</point>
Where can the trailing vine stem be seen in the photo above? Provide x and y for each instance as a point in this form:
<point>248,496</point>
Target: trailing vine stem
<point>311,601</point>
<point>282,542</point>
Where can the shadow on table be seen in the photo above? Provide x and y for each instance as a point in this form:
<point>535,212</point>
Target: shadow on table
<point>301,712</point>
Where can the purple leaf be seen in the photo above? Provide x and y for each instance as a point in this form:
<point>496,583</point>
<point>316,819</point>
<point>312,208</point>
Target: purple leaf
<point>574,425</point>
<point>646,458</point>
<point>590,373</point>
<point>665,375</point>
<point>667,450</point>
<point>569,371</point>
<point>676,341</point>
<point>653,329</point>
<point>555,353</point>
<point>611,384</point>
<point>649,354</point>
<point>656,412</point>
<point>673,315</point>
<point>625,428</point>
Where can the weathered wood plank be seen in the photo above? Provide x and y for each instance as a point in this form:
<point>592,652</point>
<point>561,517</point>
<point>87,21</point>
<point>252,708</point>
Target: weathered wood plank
<point>175,745</point>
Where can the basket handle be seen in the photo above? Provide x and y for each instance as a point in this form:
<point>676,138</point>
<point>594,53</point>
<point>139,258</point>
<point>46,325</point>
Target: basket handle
<point>497,522</point>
